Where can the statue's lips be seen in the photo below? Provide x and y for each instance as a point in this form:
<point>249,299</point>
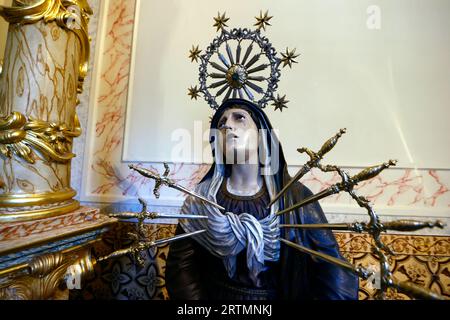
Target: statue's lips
<point>231,136</point>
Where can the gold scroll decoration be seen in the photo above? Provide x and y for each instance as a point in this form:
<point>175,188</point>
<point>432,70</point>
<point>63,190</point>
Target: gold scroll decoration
<point>43,277</point>
<point>54,141</point>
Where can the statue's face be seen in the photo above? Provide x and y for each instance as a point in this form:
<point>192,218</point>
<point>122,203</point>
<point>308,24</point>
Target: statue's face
<point>239,136</point>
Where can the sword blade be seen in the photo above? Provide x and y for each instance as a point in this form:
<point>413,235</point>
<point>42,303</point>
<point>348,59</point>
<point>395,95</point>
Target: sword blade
<point>173,185</point>
<point>147,245</point>
<point>176,238</point>
<point>192,193</point>
<point>335,226</point>
<point>179,216</point>
<point>316,197</point>
<point>152,216</point>
<point>304,170</point>
<point>323,256</point>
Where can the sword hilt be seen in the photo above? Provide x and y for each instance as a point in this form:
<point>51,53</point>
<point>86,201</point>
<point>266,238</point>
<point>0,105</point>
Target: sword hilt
<point>412,225</point>
<point>144,172</point>
<point>136,249</point>
<point>326,147</point>
<point>413,290</point>
<point>164,180</point>
<point>159,180</point>
<point>331,143</point>
<point>371,172</point>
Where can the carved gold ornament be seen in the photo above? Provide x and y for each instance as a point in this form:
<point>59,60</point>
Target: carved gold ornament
<point>72,15</point>
<point>45,275</point>
<point>20,136</point>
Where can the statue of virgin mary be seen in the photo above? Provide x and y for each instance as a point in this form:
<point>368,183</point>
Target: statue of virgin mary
<point>240,256</point>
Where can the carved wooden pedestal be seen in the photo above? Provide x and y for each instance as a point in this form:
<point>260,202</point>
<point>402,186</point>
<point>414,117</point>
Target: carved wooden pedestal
<point>35,256</point>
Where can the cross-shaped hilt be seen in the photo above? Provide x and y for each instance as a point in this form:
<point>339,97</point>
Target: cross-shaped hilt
<point>326,147</point>
<point>314,162</point>
<point>164,180</point>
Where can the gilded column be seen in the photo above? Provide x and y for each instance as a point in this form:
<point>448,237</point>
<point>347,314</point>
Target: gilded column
<point>44,67</point>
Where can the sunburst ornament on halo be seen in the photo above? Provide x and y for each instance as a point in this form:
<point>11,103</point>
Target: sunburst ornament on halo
<point>240,63</point>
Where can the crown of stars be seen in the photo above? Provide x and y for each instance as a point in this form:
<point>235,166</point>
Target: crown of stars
<point>220,21</point>
<point>280,103</point>
<point>263,21</point>
<point>194,53</point>
<point>193,92</point>
<point>288,58</point>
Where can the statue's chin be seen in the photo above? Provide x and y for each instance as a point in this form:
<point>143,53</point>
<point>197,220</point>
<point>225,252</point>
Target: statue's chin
<point>237,156</point>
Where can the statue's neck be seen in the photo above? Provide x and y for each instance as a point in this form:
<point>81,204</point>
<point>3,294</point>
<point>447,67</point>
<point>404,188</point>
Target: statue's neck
<point>245,180</point>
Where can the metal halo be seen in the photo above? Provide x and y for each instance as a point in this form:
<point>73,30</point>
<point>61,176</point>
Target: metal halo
<point>237,77</point>
<point>266,48</point>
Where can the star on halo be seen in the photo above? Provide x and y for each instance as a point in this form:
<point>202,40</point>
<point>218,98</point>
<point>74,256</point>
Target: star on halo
<point>263,21</point>
<point>193,92</point>
<point>220,21</point>
<point>288,58</point>
<point>280,103</point>
<point>194,53</point>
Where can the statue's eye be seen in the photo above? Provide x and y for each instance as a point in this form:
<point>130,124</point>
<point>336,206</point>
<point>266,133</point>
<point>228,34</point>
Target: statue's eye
<point>222,123</point>
<point>239,117</point>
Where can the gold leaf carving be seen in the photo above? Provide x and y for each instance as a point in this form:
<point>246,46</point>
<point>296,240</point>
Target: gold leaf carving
<point>45,276</point>
<point>54,141</point>
<point>43,265</point>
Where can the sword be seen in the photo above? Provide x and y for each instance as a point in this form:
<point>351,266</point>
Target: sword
<point>154,215</point>
<point>398,225</point>
<point>355,227</point>
<point>145,214</point>
<point>144,245</point>
<point>165,180</point>
<point>347,184</point>
<point>314,162</point>
<point>360,271</point>
<point>404,287</point>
